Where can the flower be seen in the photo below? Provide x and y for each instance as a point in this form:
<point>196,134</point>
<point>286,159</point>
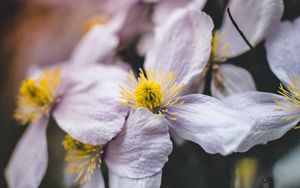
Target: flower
<point>256,19</point>
<point>159,107</point>
<point>274,115</point>
<point>179,55</point>
<point>70,93</point>
<point>134,157</point>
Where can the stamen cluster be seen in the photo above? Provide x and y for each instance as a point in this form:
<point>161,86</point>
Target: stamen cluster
<point>155,90</point>
<point>82,159</point>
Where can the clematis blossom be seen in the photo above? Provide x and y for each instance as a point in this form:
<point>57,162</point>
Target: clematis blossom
<point>256,19</point>
<point>159,107</point>
<point>179,55</point>
<point>274,114</point>
<point>70,93</point>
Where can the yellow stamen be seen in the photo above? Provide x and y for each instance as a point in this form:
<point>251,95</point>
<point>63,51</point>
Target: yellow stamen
<point>82,159</point>
<point>153,90</point>
<point>90,23</point>
<point>36,96</point>
<point>291,103</point>
<point>245,173</point>
<point>216,51</point>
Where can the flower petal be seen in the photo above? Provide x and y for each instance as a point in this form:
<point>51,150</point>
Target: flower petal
<point>29,160</point>
<point>282,51</point>
<point>182,45</point>
<point>142,148</point>
<point>116,181</point>
<point>230,79</point>
<point>96,180</point>
<point>90,110</point>
<point>269,123</point>
<point>165,8</point>
<point>210,123</point>
<point>286,170</point>
<point>97,44</point>
<point>255,18</point>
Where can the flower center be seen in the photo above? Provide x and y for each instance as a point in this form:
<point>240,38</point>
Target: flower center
<point>154,90</point>
<point>82,159</point>
<point>36,96</point>
<point>291,103</point>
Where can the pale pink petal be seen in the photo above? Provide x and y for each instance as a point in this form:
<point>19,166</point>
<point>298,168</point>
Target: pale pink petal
<point>116,181</point>
<point>255,18</point>
<point>215,126</point>
<point>96,180</point>
<point>165,8</point>
<point>29,160</point>
<point>90,109</point>
<point>99,43</point>
<point>182,45</point>
<point>269,122</point>
<point>142,148</point>
<point>230,79</point>
<point>283,51</point>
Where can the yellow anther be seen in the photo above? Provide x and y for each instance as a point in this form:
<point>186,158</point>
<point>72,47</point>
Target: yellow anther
<point>155,90</point>
<point>82,159</point>
<point>291,103</point>
<point>219,49</point>
<point>36,96</point>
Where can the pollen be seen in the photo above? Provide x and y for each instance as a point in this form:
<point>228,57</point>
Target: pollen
<point>217,40</point>
<point>154,90</point>
<point>291,103</point>
<point>36,95</point>
<point>81,159</point>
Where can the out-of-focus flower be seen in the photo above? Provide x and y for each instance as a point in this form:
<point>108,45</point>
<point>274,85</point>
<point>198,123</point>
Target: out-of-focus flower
<point>275,114</point>
<point>78,97</point>
<point>245,172</point>
<point>45,32</point>
<point>179,55</point>
<point>286,170</point>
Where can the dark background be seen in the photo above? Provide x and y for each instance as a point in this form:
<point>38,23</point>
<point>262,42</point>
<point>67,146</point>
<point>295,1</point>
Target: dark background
<point>189,166</point>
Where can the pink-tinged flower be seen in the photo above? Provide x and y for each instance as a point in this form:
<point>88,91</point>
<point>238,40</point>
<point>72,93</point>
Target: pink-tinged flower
<point>78,98</point>
<point>256,19</point>
<point>134,157</point>
<point>275,114</point>
<point>179,55</point>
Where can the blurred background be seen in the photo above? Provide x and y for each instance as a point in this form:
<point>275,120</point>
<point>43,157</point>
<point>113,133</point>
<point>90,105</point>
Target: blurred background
<point>45,31</point>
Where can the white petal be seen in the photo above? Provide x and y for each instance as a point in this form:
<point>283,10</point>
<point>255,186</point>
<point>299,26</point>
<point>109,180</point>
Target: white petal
<point>283,51</point>
<point>90,110</point>
<point>182,45</point>
<point>95,46</point>
<point>96,180</point>
<point>286,170</point>
<point>29,160</point>
<point>166,7</point>
<point>142,148</point>
<point>269,123</point>
<point>210,123</point>
<point>116,181</point>
<point>255,18</point>
<point>230,79</point>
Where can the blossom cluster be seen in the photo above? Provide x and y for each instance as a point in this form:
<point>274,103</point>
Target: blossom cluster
<point>126,118</point>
